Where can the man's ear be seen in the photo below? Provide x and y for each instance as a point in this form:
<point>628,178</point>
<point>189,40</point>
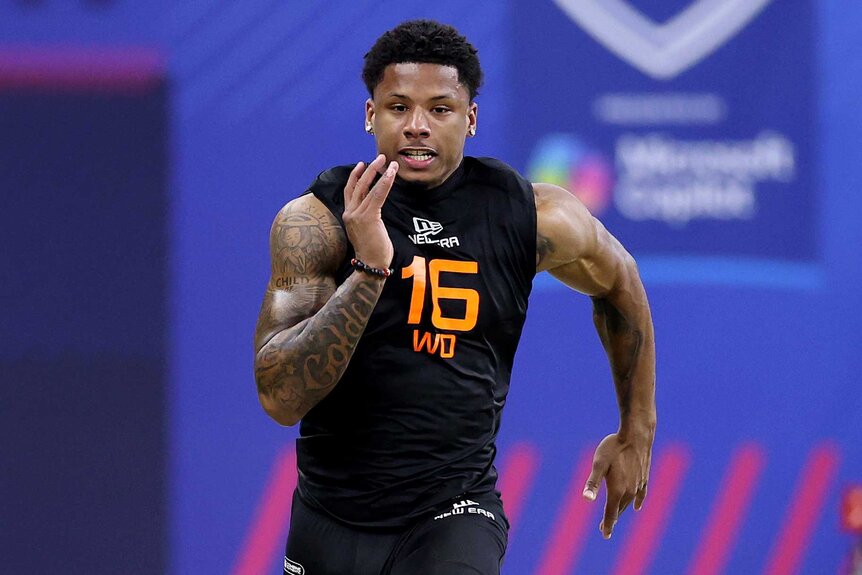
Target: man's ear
<point>472,114</point>
<point>369,115</point>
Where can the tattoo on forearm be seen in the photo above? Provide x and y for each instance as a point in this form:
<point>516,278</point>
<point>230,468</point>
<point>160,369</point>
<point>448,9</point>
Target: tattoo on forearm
<point>623,345</point>
<point>297,372</point>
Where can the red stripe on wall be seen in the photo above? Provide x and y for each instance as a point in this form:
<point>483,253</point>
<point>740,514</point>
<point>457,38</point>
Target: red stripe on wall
<point>261,547</point>
<point>81,69</point>
<point>805,506</point>
<point>649,524</point>
<point>572,524</point>
<point>517,473</point>
<point>731,506</point>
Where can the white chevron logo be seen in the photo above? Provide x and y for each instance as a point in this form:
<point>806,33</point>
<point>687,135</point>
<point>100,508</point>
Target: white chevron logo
<point>663,51</point>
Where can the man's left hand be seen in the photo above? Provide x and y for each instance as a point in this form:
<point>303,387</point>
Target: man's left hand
<point>624,466</point>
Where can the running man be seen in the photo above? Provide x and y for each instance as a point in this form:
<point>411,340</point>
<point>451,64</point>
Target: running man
<point>388,329</point>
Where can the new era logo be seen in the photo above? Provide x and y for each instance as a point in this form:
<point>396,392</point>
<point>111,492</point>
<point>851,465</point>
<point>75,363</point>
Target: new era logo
<point>663,50</point>
<point>293,568</point>
<point>426,227</point>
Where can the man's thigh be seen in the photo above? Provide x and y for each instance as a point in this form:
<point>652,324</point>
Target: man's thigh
<point>319,545</point>
<point>467,538</point>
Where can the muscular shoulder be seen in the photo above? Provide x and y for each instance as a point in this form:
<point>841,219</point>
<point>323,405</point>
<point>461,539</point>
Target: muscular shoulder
<point>565,231</point>
<point>306,238</point>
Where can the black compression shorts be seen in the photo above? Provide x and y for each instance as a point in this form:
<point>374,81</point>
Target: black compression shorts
<point>464,536</point>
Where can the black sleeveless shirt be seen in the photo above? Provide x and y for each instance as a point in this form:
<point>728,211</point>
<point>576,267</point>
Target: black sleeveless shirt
<point>414,419</point>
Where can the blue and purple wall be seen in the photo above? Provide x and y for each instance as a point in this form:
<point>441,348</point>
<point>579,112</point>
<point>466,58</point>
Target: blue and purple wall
<point>145,148</point>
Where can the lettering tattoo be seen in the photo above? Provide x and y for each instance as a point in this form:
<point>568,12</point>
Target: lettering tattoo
<point>307,329</point>
<point>289,282</point>
<point>297,368</point>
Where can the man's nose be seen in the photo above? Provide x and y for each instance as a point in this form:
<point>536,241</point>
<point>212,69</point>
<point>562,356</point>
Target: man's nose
<point>417,125</point>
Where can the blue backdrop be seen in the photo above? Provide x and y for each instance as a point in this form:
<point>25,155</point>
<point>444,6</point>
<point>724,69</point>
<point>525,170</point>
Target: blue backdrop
<point>147,147</point>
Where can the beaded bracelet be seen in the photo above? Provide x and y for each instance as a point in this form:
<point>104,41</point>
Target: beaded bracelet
<point>365,268</point>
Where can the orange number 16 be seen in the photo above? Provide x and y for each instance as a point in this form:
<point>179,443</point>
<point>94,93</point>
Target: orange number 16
<point>470,297</point>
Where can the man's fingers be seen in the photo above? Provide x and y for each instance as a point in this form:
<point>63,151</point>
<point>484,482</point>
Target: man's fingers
<point>598,472</point>
<point>640,496</point>
<point>610,518</point>
<point>366,179</point>
<point>378,194</point>
<point>350,187</point>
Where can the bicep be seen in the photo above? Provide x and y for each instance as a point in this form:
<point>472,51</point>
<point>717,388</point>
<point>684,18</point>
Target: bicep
<point>306,244</point>
<point>574,247</point>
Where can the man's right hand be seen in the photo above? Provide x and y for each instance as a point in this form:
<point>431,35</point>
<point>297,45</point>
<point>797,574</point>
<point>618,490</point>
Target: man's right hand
<point>362,211</point>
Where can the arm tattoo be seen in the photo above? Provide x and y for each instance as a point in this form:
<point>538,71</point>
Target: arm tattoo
<point>298,368</point>
<point>544,248</point>
<point>307,330</point>
<point>622,342</point>
<point>303,242</point>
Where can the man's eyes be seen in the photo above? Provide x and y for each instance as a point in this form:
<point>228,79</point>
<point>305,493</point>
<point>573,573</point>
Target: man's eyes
<point>435,109</point>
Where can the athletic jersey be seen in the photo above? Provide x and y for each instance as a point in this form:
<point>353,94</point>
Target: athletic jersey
<point>414,419</point>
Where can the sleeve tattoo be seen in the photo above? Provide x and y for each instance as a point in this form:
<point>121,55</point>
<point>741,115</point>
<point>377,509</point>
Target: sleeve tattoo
<point>315,328</point>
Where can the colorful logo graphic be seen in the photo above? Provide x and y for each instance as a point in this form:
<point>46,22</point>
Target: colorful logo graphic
<point>565,161</point>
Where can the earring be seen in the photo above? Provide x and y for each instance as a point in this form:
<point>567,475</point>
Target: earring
<point>369,129</point>
<point>472,131</point>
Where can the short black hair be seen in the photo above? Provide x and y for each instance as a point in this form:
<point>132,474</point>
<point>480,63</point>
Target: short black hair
<point>421,42</point>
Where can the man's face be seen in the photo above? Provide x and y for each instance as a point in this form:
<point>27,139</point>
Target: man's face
<point>421,115</point>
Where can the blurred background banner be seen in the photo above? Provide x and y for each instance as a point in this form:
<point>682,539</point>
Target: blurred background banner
<point>146,148</point>
<point>674,122</point>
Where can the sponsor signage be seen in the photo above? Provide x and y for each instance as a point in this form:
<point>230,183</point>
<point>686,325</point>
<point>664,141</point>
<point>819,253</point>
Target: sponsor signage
<point>681,125</point>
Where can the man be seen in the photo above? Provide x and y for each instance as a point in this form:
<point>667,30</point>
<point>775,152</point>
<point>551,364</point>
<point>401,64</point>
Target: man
<point>398,293</point>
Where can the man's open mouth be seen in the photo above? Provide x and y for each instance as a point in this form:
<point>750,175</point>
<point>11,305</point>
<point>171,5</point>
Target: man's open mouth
<point>418,155</point>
